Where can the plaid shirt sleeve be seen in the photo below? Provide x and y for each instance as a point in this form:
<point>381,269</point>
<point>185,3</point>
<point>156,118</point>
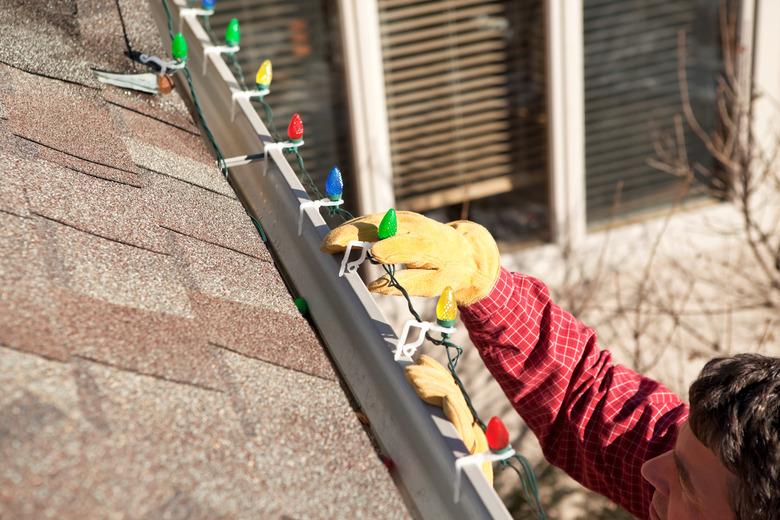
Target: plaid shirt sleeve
<point>596,420</point>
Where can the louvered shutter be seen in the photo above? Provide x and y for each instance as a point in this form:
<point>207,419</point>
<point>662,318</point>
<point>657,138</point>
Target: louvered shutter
<point>301,38</point>
<point>632,95</point>
<point>465,87</point>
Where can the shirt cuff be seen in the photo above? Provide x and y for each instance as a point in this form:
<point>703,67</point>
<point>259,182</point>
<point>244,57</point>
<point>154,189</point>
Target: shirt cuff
<point>495,301</point>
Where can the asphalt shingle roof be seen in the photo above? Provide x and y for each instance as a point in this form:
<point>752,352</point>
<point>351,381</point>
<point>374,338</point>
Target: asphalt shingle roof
<point>152,361</point>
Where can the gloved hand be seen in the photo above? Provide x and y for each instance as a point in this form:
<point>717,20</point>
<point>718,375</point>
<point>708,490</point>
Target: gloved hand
<point>461,254</point>
<point>434,384</point>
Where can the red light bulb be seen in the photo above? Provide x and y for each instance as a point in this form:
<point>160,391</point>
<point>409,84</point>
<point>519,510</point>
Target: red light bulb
<point>497,434</point>
<point>295,130</point>
<point>388,462</point>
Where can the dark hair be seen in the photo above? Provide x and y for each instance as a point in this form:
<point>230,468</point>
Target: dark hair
<point>735,411</point>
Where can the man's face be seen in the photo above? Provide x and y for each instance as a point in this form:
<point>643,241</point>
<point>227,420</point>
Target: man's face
<point>690,482</point>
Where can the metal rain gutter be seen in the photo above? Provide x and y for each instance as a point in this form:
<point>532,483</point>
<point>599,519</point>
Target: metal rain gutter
<point>422,444</point>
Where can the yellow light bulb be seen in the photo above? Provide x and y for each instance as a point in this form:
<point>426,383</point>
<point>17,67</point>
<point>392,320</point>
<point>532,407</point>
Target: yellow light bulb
<point>446,308</point>
<point>264,75</point>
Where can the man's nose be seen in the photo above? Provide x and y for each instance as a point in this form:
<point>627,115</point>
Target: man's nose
<point>659,471</point>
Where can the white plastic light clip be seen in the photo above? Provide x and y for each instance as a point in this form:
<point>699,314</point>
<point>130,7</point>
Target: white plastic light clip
<point>351,267</point>
<point>280,145</point>
<point>404,351</point>
<point>476,460</point>
<point>165,65</point>
<point>245,94</point>
<point>315,204</point>
<point>216,49</point>
<point>193,11</point>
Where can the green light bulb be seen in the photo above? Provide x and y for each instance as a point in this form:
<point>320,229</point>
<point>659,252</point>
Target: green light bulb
<point>302,305</point>
<point>389,225</point>
<point>233,33</point>
<point>179,47</point>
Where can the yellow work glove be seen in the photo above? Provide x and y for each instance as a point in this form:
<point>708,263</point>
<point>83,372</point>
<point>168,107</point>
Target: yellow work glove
<point>434,384</point>
<point>461,254</point>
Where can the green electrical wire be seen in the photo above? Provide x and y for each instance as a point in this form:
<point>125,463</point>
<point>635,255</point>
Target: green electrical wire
<point>269,118</point>
<point>233,61</point>
<point>448,345</point>
<point>259,228</point>
<point>237,69</point>
<point>220,158</point>
<point>207,26</point>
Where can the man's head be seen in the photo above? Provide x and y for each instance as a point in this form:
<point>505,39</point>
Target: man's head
<point>726,461</point>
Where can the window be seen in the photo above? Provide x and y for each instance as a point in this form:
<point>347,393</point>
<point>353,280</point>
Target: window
<point>632,94</point>
<point>466,104</point>
<point>477,108</point>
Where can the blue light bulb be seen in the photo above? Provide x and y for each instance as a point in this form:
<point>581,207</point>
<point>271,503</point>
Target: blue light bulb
<point>334,184</point>
<point>208,5</point>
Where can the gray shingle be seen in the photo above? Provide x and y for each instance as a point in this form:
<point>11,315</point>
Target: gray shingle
<point>200,213</point>
<point>308,444</point>
<point>268,335</point>
<point>12,192</point>
<point>169,108</point>
<point>91,204</point>
<point>43,38</point>
<point>42,111</point>
<point>183,448</point>
<point>166,149</point>
<point>224,273</point>
<point>141,29</point>
<point>28,308</point>
<point>157,344</point>
<point>113,272</point>
<point>101,35</point>
<point>162,437</point>
<point>229,288</point>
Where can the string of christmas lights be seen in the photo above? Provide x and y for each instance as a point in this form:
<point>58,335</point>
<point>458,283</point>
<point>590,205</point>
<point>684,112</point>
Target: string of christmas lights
<point>446,310</point>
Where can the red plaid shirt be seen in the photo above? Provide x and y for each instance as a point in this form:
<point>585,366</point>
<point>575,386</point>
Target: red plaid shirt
<point>597,421</point>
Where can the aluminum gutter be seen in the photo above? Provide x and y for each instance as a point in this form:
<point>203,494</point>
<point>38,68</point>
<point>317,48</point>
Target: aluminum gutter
<point>421,443</point>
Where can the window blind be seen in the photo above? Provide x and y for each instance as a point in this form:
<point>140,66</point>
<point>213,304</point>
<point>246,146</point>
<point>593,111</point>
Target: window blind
<point>465,88</point>
<point>632,95</point>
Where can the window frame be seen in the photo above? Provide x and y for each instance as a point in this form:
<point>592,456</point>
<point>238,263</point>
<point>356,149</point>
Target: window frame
<point>566,107</point>
<point>365,81</point>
